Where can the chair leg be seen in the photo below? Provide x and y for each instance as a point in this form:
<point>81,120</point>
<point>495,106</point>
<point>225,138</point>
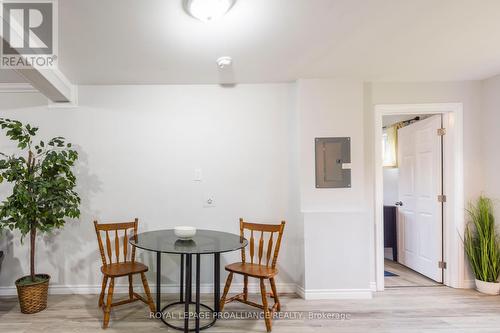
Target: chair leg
<point>267,314</point>
<point>107,308</point>
<point>245,287</point>
<point>103,290</point>
<point>130,287</point>
<point>275,294</point>
<point>148,293</point>
<point>226,290</point>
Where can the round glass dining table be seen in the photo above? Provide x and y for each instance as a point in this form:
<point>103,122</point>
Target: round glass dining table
<point>205,242</point>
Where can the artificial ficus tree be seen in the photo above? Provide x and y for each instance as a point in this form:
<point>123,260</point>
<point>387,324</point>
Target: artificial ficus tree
<point>43,192</point>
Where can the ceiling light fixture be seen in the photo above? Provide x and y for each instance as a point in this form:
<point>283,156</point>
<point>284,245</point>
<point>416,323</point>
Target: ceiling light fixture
<point>208,10</point>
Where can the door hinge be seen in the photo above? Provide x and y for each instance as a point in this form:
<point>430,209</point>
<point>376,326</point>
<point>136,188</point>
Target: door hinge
<point>441,131</point>
<point>441,198</point>
<point>442,264</point>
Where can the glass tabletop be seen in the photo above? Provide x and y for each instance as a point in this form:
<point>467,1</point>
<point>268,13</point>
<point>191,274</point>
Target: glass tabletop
<point>204,242</point>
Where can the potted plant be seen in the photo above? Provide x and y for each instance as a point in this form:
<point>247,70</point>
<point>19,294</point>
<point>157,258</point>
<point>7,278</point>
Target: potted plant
<point>42,197</point>
<point>482,246</point>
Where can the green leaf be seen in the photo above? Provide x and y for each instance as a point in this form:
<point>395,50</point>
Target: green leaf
<point>481,241</point>
<point>43,195</point>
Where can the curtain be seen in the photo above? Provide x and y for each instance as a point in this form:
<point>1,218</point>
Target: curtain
<point>390,146</point>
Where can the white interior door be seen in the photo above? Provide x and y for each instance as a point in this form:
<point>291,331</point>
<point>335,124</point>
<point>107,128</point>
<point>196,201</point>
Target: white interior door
<point>420,184</point>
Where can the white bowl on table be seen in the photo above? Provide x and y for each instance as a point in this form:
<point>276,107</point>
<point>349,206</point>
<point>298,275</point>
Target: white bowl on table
<point>185,232</point>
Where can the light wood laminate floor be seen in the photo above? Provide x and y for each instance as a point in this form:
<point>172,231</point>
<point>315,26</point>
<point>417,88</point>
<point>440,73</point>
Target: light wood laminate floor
<point>406,277</point>
<point>401,310</point>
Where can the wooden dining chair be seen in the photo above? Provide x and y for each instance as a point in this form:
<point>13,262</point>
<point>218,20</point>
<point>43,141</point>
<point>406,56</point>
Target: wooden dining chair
<point>112,269</point>
<point>256,267</point>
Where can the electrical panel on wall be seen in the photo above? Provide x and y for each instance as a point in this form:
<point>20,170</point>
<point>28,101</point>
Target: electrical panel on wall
<point>333,158</point>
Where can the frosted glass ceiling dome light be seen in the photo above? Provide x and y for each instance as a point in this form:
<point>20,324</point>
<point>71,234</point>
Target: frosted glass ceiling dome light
<point>208,10</point>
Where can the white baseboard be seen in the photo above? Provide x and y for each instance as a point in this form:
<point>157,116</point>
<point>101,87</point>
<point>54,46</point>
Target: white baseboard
<point>469,284</point>
<point>318,294</point>
<point>301,292</point>
<point>205,288</point>
<point>373,286</point>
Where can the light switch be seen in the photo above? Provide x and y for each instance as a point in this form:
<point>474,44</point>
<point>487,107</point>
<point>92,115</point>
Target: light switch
<point>197,175</point>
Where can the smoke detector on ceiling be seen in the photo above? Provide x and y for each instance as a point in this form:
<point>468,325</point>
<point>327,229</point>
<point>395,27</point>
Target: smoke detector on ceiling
<point>224,62</point>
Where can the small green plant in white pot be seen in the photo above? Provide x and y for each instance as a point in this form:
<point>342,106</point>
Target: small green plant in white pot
<point>482,246</point>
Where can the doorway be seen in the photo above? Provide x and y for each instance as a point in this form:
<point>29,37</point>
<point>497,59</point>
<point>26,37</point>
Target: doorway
<point>413,200</point>
<point>453,257</point>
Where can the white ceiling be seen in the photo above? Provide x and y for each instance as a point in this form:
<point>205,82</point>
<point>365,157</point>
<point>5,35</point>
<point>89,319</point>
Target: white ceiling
<point>155,41</point>
<point>10,76</point>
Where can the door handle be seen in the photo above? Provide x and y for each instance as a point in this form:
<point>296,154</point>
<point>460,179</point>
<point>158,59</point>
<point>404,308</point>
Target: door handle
<point>399,203</point>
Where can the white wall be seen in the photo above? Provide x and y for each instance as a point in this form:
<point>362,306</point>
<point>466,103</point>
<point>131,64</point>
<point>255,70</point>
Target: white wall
<point>336,228</point>
<point>490,139</point>
<point>391,186</point>
<point>139,147</point>
<point>468,93</point>
<point>330,108</point>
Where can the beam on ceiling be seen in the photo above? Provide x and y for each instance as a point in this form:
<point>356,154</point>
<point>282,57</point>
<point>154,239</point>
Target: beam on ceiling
<point>51,82</point>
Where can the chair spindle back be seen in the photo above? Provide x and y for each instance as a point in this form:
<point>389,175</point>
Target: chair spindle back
<point>262,230</point>
<point>114,229</point>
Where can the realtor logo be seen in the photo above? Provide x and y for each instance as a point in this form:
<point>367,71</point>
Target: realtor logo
<point>28,34</point>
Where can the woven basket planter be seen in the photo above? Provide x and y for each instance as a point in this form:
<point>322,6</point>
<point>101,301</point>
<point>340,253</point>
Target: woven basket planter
<point>33,297</point>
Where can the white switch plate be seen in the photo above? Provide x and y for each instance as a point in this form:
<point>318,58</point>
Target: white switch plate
<point>346,166</point>
<point>209,201</point>
<point>197,175</point>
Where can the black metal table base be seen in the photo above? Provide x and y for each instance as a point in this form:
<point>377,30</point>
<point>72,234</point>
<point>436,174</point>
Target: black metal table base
<point>211,323</point>
<point>185,292</point>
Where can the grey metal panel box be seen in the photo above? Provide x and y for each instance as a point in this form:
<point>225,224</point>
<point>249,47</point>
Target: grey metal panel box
<point>331,154</point>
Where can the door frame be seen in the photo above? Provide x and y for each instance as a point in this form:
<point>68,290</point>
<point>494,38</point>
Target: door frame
<point>453,181</point>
